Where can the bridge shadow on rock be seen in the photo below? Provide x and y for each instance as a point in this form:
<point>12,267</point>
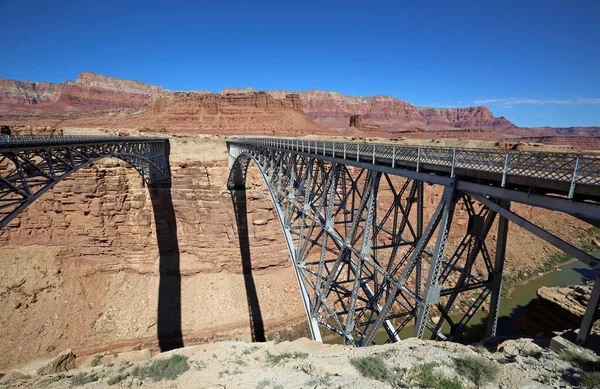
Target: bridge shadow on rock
<point>169,331</point>
<point>238,197</point>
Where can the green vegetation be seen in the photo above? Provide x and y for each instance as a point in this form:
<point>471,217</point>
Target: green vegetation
<point>590,379</point>
<point>96,360</point>
<point>163,369</point>
<point>225,373</point>
<point>477,369</point>
<point>426,377</point>
<point>371,367</point>
<point>274,359</point>
<point>580,360</point>
<point>83,378</point>
<point>118,378</point>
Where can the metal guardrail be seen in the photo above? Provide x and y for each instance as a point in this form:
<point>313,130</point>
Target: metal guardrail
<point>571,168</point>
<point>23,140</point>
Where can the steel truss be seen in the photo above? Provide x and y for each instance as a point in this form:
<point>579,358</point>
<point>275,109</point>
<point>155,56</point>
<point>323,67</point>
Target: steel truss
<point>370,264</point>
<point>30,165</point>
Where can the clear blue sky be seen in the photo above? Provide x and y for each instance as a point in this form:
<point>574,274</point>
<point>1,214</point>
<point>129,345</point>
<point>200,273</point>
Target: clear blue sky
<point>535,62</point>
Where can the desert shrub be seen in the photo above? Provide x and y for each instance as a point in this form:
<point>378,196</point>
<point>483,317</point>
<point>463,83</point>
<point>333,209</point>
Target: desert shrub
<point>82,379</point>
<point>579,360</point>
<point>371,367</point>
<point>96,360</point>
<point>163,369</point>
<point>118,378</point>
<point>590,379</point>
<point>274,359</point>
<point>477,369</point>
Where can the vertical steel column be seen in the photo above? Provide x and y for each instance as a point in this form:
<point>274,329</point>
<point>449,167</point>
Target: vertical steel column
<point>590,312</point>
<point>498,271</point>
<point>432,289</point>
<point>420,207</point>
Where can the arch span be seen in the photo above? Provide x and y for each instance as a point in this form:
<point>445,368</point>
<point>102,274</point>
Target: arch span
<point>373,265</point>
<point>237,185</point>
<point>30,166</point>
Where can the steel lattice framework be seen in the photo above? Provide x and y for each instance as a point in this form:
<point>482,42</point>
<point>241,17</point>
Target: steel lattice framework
<point>370,263</point>
<point>31,165</point>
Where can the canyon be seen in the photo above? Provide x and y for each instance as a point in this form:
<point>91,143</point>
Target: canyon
<point>81,265</point>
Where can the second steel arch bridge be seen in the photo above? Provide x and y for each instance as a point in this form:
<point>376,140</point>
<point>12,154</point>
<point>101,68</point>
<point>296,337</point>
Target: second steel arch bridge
<point>370,261</point>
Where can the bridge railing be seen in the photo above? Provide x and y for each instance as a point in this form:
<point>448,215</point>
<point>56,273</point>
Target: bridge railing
<point>571,168</point>
<point>22,140</point>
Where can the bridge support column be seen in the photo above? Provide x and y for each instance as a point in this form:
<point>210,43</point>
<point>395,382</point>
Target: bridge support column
<point>431,293</point>
<point>590,312</point>
<point>498,271</point>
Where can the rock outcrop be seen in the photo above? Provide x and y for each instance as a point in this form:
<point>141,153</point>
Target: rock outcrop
<point>554,309</point>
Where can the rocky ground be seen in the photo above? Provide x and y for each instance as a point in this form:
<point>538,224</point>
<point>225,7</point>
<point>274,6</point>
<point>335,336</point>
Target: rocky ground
<point>521,363</point>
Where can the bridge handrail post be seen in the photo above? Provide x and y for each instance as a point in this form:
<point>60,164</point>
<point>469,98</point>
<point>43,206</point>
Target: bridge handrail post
<point>574,179</point>
<point>373,154</point>
<point>505,170</point>
<point>453,163</point>
<point>357,152</point>
<point>393,155</point>
<point>418,157</point>
<point>333,149</point>
<point>344,150</point>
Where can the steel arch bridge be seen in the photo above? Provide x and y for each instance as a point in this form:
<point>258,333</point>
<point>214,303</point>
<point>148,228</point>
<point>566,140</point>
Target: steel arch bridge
<point>368,259</point>
<point>32,165</point>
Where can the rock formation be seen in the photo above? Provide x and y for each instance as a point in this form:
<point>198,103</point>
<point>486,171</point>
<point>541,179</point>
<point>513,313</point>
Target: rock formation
<point>89,92</point>
<point>554,309</point>
<point>333,109</point>
<point>355,121</point>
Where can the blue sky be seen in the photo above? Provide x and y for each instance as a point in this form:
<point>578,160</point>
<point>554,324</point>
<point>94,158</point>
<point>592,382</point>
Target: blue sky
<point>535,62</point>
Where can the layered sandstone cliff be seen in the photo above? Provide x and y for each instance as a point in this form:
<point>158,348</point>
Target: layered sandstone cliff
<point>333,109</point>
<point>88,93</point>
<point>193,112</point>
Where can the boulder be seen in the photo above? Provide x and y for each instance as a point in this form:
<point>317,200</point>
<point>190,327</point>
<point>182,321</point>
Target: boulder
<point>62,362</point>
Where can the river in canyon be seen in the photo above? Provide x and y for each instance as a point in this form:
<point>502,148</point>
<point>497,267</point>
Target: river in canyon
<point>569,273</point>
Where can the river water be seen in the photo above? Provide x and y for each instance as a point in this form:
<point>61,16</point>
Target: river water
<point>570,273</point>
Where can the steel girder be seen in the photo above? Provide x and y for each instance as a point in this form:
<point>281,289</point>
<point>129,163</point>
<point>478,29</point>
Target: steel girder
<point>30,166</point>
<point>368,261</point>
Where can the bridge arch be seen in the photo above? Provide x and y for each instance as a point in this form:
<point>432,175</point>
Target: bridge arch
<point>237,185</point>
<point>30,166</point>
<point>364,284</point>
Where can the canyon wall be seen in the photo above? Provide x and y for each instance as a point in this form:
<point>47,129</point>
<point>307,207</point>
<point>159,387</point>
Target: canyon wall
<point>88,93</point>
<point>333,109</point>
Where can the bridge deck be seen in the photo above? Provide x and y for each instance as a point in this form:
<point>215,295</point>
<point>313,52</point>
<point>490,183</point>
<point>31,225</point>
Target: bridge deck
<point>8,143</point>
<point>575,176</point>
